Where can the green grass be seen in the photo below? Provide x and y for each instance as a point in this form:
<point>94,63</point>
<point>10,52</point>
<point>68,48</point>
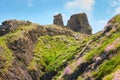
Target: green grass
<point>100,49</point>
<point>5,54</point>
<point>52,52</point>
<point>116,19</point>
<point>107,67</point>
<point>110,76</point>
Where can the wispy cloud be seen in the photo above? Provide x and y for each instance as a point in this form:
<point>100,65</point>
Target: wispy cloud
<point>80,5</point>
<point>26,2</point>
<point>30,2</point>
<point>115,5</point>
<point>102,22</point>
<point>117,10</point>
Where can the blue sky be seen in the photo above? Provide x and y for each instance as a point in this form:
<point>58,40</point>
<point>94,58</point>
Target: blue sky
<point>42,11</point>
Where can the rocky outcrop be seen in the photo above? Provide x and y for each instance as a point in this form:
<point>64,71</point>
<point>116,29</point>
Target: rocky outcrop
<point>103,53</point>
<point>22,46</point>
<point>58,20</point>
<point>16,72</point>
<point>79,23</point>
<point>11,25</point>
<point>112,24</point>
<point>51,52</point>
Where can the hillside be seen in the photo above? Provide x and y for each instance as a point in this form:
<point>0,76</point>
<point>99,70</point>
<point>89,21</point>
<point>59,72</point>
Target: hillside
<point>30,51</point>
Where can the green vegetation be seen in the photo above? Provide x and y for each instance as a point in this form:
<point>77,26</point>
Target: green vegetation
<point>116,19</point>
<point>110,75</point>
<point>52,52</point>
<point>6,54</point>
<point>107,67</point>
<point>100,49</point>
<point>60,49</point>
<point>111,65</point>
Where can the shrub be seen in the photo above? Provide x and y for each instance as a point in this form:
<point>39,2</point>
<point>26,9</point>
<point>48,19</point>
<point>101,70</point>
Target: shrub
<point>79,61</point>
<point>116,76</point>
<point>109,48</point>
<point>67,70</point>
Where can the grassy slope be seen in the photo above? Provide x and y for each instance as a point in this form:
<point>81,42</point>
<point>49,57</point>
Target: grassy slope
<point>52,52</point>
<point>108,67</point>
<point>105,70</point>
<point>5,53</point>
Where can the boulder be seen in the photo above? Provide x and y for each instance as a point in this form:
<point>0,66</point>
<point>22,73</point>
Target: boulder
<point>79,23</point>
<point>11,25</point>
<point>112,24</point>
<point>58,20</point>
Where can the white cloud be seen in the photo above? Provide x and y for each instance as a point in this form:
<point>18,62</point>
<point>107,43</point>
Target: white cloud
<point>117,10</point>
<point>56,12</point>
<point>115,7</point>
<point>30,2</point>
<point>26,2</point>
<point>102,22</point>
<point>115,3</point>
<point>82,5</point>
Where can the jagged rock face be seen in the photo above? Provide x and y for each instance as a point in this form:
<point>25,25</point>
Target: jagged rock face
<point>58,20</point>
<point>21,46</point>
<point>98,67</point>
<point>112,24</point>
<point>52,53</point>
<point>79,23</point>
<point>11,25</point>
